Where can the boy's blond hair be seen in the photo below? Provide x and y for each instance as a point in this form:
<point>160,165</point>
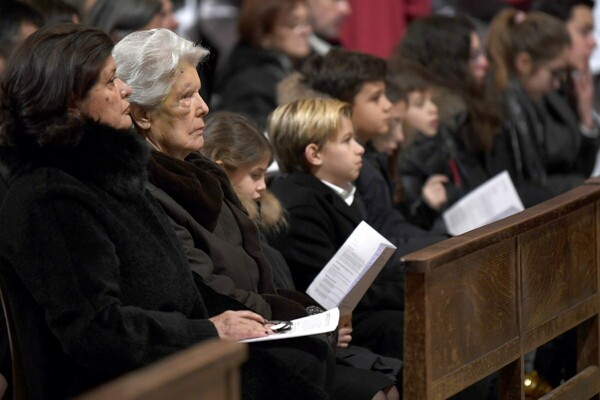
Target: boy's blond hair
<point>295,125</point>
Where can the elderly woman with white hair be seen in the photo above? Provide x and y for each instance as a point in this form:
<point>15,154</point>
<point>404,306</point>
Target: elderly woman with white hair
<point>220,240</point>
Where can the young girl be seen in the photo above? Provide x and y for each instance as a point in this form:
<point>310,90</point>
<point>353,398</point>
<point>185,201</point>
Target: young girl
<point>235,143</point>
<point>528,56</point>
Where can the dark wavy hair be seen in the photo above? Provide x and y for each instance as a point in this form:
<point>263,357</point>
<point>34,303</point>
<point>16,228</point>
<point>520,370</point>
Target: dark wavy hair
<point>44,79</point>
<point>341,74</point>
<point>442,45</point>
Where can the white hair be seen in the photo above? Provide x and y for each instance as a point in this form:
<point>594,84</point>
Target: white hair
<point>147,62</point>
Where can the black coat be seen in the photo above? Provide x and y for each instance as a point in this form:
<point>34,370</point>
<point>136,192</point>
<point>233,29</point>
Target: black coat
<point>374,189</point>
<point>567,149</point>
<point>525,139</point>
<point>249,83</point>
<point>221,242</point>
<point>319,224</point>
<point>445,155</point>
<point>99,281</point>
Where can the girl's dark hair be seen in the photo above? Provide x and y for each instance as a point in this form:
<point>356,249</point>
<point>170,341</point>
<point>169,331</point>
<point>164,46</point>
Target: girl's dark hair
<point>341,74</point>
<point>442,45</point>
<point>44,79</point>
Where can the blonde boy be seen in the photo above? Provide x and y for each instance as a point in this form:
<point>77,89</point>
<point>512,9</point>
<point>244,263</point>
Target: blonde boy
<point>314,144</point>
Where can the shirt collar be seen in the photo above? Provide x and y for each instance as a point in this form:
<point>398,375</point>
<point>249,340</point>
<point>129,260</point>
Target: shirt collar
<point>347,194</point>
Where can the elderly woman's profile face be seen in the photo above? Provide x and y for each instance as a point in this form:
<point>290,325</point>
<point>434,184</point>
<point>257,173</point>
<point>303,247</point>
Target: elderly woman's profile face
<point>177,125</point>
<point>106,102</point>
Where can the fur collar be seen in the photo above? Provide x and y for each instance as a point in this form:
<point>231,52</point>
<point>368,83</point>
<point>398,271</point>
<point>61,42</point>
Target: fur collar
<point>198,189</point>
<point>112,159</point>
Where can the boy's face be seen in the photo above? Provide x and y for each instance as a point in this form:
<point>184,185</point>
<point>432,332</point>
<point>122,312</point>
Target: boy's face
<point>422,113</point>
<point>388,143</point>
<point>341,158</point>
<point>371,111</point>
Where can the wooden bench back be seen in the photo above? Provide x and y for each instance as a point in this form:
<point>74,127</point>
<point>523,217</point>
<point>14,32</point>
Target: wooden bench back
<point>209,370</point>
<point>477,303</point>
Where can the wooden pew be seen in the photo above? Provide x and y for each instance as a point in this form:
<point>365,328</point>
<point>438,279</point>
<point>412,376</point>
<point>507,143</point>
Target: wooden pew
<point>209,370</point>
<point>477,303</point>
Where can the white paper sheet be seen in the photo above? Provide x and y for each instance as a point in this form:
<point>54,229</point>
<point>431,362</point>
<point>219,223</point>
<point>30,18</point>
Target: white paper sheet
<point>353,268</point>
<point>311,325</point>
<point>491,201</point>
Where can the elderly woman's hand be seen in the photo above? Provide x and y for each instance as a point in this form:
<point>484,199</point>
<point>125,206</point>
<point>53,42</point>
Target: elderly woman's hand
<point>238,325</point>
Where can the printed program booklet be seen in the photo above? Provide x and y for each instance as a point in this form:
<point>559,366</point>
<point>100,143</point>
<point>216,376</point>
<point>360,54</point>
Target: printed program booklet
<point>353,268</point>
<point>342,282</point>
<point>493,200</point>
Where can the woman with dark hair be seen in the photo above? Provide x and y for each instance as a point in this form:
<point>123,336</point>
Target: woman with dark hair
<point>98,282</point>
<point>446,53</point>
<point>273,37</point>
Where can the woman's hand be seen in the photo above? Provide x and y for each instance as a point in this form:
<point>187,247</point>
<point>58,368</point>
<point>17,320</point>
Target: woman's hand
<point>434,191</point>
<point>344,331</point>
<point>238,325</point>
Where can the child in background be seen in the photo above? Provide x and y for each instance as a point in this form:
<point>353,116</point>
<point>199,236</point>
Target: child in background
<point>236,144</point>
<point>430,175</point>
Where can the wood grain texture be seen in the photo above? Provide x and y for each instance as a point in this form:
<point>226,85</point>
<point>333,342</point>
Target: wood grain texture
<point>209,370</point>
<point>477,303</point>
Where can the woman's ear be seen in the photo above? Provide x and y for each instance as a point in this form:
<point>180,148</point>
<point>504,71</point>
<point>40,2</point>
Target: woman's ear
<point>523,64</point>
<point>139,115</point>
<point>219,162</point>
<point>313,155</point>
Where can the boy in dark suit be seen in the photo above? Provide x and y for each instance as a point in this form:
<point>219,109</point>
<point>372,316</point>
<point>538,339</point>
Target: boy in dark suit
<point>315,146</point>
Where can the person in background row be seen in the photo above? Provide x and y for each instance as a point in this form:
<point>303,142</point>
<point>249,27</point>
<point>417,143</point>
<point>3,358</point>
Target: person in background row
<point>327,18</point>
<point>571,126</point>
<point>56,11</point>
<point>273,38</point>
<point>118,18</point>
<point>18,20</point>
<point>528,56</point>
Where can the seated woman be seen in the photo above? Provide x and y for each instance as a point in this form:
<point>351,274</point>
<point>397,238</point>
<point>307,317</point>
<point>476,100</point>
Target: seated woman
<point>273,36</point>
<point>96,275</point>
<point>220,240</point>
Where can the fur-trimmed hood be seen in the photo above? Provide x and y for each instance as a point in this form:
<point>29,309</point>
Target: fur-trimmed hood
<point>112,159</point>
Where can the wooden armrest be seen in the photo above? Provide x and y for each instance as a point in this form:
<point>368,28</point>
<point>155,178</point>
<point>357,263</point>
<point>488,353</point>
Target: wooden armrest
<point>209,370</point>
